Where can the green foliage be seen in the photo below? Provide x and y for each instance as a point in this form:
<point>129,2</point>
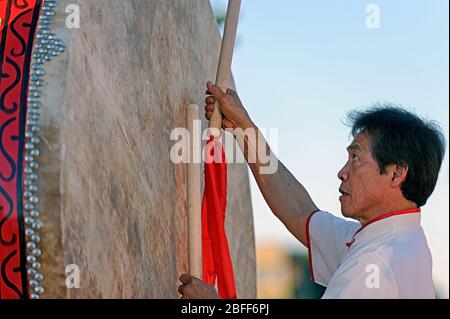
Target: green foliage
<point>304,287</point>
<point>220,18</point>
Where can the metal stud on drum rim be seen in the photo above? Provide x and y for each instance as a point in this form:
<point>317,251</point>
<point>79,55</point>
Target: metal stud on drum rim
<point>46,47</point>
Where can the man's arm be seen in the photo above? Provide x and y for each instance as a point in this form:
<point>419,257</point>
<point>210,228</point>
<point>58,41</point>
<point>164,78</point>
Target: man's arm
<point>286,197</point>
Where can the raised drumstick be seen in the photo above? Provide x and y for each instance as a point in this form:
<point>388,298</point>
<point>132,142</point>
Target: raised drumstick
<point>223,78</point>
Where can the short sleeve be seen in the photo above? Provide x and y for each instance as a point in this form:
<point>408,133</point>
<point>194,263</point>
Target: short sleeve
<point>368,277</point>
<point>327,236</point>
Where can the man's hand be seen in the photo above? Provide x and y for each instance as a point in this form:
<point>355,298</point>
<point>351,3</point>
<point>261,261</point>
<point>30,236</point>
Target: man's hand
<point>234,113</point>
<point>193,288</point>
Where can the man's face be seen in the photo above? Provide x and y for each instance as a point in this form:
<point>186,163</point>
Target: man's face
<point>363,188</point>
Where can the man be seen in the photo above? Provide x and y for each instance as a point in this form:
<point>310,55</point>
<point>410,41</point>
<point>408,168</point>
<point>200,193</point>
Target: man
<point>392,169</point>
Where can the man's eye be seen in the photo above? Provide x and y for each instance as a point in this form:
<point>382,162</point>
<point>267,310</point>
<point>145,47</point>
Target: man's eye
<point>354,157</point>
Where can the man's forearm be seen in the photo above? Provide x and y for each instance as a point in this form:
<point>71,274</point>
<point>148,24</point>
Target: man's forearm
<point>286,197</point>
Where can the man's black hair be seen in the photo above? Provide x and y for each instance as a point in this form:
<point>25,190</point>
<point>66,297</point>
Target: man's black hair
<point>403,138</point>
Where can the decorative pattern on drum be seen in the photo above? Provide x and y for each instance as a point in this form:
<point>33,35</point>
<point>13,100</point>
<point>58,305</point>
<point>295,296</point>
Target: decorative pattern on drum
<point>18,25</point>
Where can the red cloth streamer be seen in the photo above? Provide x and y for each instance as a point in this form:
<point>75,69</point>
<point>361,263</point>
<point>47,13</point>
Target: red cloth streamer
<point>18,22</point>
<point>216,255</point>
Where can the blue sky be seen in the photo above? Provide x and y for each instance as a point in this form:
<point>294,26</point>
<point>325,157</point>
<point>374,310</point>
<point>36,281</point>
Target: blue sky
<point>301,65</point>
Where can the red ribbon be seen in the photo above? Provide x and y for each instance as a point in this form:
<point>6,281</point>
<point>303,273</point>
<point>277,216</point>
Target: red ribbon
<point>216,255</point>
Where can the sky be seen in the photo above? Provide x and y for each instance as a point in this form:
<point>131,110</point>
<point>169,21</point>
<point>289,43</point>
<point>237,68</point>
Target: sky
<point>301,65</point>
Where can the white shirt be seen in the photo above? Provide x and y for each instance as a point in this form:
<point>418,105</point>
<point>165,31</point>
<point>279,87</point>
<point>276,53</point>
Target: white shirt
<point>387,258</point>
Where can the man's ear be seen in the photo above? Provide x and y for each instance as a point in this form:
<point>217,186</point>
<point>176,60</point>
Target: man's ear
<point>398,174</point>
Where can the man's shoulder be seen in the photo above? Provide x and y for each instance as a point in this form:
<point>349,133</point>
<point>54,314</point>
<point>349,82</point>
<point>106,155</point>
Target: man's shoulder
<point>404,245</point>
<point>325,217</point>
<point>391,254</point>
<point>409,247</point>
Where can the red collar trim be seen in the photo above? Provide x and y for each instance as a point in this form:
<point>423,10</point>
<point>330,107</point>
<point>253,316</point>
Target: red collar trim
<point>397,213</point>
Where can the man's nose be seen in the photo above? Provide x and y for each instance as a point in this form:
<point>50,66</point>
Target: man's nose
<point>343,174</point>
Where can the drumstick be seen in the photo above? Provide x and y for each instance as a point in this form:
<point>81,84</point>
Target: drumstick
<point>223,78</point>
<point>194,196</point>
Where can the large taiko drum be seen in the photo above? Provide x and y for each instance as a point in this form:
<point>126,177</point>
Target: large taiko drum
<point>86,181</point>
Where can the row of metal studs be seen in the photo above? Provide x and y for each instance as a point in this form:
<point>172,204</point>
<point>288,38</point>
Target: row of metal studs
<point>47,46</point>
